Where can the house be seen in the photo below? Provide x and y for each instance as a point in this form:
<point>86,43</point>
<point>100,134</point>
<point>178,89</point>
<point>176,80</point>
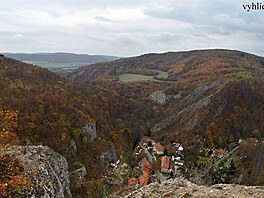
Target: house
<point>145,144</point>
<point>180,148</point>
<point>143,179</point>
<point>176,145</point>
<point>159,149</point>
<point>165,162</point>
<point>221,152</point>
<point>145,163</point>
<point>172,158</point>
<point>137,150</point>
<point>153,142</point>
<point>178,158</point>
<point>146,169</point>
<point>179,162</point>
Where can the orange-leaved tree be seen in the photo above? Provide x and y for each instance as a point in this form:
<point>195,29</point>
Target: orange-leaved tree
<point>14,179</point>
<point>8,124</point>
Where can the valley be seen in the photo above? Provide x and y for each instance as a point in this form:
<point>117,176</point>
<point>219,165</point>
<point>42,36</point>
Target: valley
<point>106,118</point>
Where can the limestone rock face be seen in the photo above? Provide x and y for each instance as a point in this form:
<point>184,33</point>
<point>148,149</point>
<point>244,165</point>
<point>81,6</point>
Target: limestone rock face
<point>108,156</point>
<point>71,149</point>
<point>89,130</point>
<point>182,188</point>
<point>159,97</point>
<point>51,169</point>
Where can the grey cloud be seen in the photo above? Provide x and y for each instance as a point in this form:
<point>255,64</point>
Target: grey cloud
<point>126,28</point>
<point>103,19</point>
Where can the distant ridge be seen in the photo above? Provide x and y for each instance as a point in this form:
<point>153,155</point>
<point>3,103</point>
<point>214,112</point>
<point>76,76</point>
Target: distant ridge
<point>60,57</point>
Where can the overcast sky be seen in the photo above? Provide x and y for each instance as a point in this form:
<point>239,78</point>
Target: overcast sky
<point>129,27</point>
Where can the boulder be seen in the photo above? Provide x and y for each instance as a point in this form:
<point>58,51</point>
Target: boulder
<point>89,130</point>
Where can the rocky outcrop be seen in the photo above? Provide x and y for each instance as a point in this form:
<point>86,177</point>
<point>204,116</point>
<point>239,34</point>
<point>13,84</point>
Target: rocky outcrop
<point>159,97</point>
<point>201,90</point>
<point>71,149</point>
<point>89,130</point>
<point>197,108</point>
<point>182,188</point>
<point>50,169</point>
<point>108,156</point>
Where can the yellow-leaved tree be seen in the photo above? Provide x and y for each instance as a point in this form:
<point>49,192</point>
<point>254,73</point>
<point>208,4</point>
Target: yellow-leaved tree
<point>8,124</point>
<point>14,180</point>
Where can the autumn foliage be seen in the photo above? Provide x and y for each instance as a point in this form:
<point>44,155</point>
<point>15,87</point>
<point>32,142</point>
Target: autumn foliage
<point>14,180</point>
<point>8,124</point>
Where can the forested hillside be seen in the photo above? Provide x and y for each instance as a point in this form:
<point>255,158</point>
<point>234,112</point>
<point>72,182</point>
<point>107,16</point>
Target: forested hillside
<point>53,111</point>
<point>200,66</point>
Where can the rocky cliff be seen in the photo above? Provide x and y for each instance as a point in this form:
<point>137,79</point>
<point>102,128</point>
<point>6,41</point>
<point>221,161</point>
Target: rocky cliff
<point>182,188</point>
<point>50,170</point>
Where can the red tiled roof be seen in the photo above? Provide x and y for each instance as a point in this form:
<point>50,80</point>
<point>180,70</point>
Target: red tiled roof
<point>145,162</point>
<point>143,179</point>
<point>146,169</point>
<point>165,162</point>
<point>159,147</point>
<point>221,152</point>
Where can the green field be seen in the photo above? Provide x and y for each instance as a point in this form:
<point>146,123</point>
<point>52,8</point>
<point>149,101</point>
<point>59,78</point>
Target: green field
<point>128,77</point>
<point>162,74</point>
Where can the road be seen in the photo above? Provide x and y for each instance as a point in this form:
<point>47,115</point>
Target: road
<point>231,152</point>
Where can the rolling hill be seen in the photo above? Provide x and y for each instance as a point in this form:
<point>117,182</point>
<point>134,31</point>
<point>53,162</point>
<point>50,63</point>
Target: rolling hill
<point>198,65</point>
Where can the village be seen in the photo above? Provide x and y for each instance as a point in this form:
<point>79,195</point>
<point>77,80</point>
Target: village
<point>153,162</point>
<point>157,163</point>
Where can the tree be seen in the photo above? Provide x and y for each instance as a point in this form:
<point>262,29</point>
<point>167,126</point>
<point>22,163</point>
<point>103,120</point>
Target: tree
<point>155,166</point>
<point>209,139</point>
